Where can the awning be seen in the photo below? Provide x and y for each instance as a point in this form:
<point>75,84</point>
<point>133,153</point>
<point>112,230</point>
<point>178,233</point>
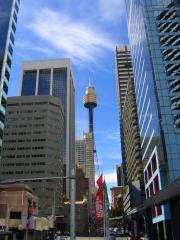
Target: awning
<point>116,218</point>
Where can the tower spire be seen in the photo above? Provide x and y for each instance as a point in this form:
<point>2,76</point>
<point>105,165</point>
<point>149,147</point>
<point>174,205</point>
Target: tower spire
<point>89,80</point>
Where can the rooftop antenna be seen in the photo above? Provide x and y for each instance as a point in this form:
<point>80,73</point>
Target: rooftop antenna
<point>89,80</point>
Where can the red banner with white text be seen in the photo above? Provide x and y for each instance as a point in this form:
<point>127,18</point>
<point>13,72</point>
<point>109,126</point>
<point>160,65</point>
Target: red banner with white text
<point>99,212</point>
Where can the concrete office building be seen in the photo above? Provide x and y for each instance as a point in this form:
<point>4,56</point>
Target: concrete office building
<point>130,138</point>
<point>132,145</point>
<point>8,20</point>
<point>33,147</point>
<point>54,77</point>
<point>80,154</point>
<point>153,28</point>
<point>123,74</point>
<point>85,156</point>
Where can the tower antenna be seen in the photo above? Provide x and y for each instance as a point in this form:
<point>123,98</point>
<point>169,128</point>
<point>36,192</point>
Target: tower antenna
<point>89,80</point>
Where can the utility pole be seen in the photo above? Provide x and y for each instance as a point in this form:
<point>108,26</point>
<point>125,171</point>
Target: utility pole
<point>72,205</point>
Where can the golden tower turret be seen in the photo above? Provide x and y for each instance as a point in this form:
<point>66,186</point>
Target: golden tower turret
<point>90,102</point>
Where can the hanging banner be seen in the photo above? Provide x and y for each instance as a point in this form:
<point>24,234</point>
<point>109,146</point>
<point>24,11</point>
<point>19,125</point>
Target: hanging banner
<point>99,213</point>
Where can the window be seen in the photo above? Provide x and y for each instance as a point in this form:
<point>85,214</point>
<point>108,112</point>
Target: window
<point>154,165</point>
<point>15,215</point>
<point>149,171</point>
<point>15,17</point>
<point>29,83</point>
<point>156,184</point>
<point>16,7</point>
<point>151,189</point>
<point>12,38</point>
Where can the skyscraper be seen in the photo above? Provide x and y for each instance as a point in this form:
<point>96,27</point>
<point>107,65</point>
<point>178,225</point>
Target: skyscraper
<point>8,20</point>
<point>33,147</point>
<point>130,136</point>
<point>85,156</point>
<point>54,77</point>
<point>80,154</point>
<point>123,60</point>
<point>153,28</point>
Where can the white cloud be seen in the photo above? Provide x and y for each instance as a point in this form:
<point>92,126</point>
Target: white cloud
<point>111,10</point>
<point>74,39</point>
<point>111,178</point>
<point>22,44</point>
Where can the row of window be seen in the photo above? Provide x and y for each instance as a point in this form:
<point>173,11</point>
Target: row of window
<point>23,148</point>
<point>28,111</point>
<point>24,164</point>
<point>24,156</point>
<point>23,172</point>
<point>26,140</point>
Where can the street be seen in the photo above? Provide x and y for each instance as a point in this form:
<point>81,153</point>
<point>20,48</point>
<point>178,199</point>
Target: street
<point>98,238</point>
<point>93,238</point>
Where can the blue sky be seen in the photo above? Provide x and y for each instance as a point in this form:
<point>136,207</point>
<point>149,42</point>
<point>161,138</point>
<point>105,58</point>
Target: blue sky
<point>86,31</point>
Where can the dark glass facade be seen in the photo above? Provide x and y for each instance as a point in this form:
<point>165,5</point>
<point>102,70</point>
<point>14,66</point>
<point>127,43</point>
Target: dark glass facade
<point>153,28</point>
<point>8,20</point>
<point>44,82</point>
<point>5,13</point>
<point>29,83</point>
<point>59,90</point>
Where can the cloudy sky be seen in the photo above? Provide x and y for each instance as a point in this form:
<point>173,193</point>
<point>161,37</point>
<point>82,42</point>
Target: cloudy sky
<point>87,32</point>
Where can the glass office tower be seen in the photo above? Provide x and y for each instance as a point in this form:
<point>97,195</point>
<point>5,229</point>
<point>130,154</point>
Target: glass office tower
<point>54,77</point>
<point>153,28</point>
<point>8,20</point>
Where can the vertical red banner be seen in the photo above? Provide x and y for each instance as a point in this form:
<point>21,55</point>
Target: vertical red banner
<point>99,212</point>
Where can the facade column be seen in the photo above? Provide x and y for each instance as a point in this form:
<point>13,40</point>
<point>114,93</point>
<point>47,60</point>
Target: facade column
<point>175,218</point>
<point>167,230</point>
<point>150,226</point>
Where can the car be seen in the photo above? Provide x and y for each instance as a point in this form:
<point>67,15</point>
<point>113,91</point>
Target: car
<point>112,235</point>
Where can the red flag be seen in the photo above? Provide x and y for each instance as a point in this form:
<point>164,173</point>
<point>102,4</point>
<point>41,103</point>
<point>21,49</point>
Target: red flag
<point>100,181</point>
<point>99,213</point>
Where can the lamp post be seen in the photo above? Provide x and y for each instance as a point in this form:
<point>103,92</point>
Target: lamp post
<point>72,195</point>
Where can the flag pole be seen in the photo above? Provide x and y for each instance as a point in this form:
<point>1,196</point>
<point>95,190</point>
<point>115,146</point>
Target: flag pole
<point>104,205</point>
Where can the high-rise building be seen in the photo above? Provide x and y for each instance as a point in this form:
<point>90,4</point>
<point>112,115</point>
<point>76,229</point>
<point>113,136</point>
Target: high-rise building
<point>8,20</point>
<point>85,156</point>
<point>80,154</point>
<point>130,138</point>
<point>153,28</point>
<point>132,145</point>
<point>120,175</point>
<point>54,77</point>
<point>33,147</point>
<point>123,73</point>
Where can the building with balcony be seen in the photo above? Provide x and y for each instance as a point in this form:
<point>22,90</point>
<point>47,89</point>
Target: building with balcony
<point>153,28</point>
